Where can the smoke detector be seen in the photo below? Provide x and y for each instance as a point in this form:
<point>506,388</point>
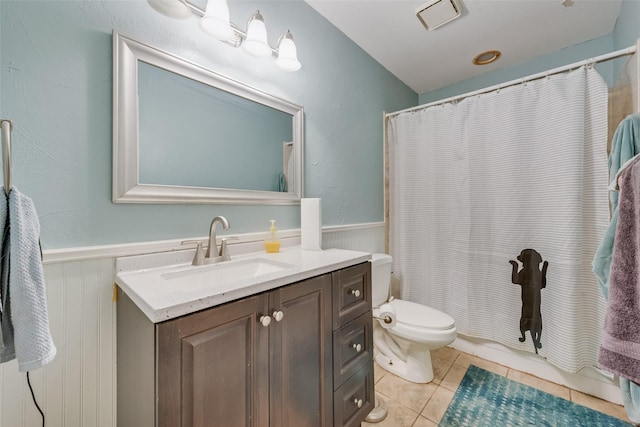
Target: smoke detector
<point>436,13</point>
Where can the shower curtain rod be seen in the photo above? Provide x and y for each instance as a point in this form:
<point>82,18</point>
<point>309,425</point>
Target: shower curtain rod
<point>602,58</point>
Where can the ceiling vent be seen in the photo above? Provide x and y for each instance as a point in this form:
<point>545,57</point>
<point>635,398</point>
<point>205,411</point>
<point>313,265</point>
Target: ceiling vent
<point>436,13</point>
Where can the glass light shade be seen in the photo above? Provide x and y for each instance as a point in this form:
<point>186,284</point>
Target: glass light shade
<point>256,42</point>
<point>172,8</point>
<point>215,21</point>
<point>287,54</point>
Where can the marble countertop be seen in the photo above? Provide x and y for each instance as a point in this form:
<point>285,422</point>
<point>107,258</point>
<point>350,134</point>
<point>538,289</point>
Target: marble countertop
<point>146,279</point>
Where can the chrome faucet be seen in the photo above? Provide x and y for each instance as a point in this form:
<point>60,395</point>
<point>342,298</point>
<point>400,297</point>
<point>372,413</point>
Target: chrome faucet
<point>215,255</point>
<point>212,249</point>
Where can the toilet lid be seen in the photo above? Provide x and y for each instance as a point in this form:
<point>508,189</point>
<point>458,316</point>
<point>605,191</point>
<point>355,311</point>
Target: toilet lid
<point>415,314</point>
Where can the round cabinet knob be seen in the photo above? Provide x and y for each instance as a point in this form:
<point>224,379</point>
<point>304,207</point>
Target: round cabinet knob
<point>355,292</point>
<point>278,315</point>
<point>357,347</point>
<point>358,402</point>
<point>265,320</point>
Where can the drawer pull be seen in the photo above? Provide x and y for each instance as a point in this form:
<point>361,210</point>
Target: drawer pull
<point>278,315</point>
<point>355,292</point>
<point>265,320</point>
<point>357,347</point>
<point>358,402</point>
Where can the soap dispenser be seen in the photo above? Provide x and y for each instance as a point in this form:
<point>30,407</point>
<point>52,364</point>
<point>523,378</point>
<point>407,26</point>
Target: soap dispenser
<point>272,242</point>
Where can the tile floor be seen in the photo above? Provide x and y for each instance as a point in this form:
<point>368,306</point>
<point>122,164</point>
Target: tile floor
<point>423,405</point>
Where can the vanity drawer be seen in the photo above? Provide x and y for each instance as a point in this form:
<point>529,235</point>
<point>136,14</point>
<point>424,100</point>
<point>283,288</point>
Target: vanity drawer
<point>352,348</point>
<point>351,293</point>
<point>355,399</point>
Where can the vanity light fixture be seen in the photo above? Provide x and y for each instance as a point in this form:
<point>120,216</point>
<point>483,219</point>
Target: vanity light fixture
<point>215,21</point>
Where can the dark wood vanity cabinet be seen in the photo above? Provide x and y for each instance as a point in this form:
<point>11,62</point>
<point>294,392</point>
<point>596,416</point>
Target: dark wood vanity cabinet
<point>352,345</point>
<point>280,358</point>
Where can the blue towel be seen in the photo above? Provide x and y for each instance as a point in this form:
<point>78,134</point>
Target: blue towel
<point>631,399</point>
<point>24,287</point>
<point>7,349</point>
<point>624,146</point>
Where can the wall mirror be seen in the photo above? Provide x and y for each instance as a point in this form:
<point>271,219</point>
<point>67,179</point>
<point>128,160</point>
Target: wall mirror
<point>184,134</point>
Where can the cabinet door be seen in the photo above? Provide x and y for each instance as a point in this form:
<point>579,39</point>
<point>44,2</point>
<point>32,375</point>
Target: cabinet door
<point>212,367</point>
<point>300,352</point>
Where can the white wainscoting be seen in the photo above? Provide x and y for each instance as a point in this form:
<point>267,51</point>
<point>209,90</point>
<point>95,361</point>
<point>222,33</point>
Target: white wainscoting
<point>363,237</point>
<point>78,388</point>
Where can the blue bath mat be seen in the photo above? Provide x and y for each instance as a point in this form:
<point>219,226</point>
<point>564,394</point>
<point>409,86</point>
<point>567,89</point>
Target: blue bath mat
<point>484,399</point>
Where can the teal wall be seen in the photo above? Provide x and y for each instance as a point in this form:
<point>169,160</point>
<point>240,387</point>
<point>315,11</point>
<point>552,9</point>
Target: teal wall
<point>625,34</point>
<point>627,29</point>
<point>55,84</point>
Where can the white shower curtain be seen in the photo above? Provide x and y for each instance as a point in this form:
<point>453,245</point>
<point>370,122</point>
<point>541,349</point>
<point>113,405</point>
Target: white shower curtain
<point>474,183</point>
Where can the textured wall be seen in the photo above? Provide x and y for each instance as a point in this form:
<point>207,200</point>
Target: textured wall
<point>627,29</point>
<point>55,84</point>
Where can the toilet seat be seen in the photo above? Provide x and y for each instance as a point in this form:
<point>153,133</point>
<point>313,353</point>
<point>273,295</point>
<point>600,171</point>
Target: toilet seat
<point>416,321</point>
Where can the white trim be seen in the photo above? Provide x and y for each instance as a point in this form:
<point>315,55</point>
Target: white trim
<point>52,256</point>
<point>607,56</point>
<point>141,248</point>
<point>351,227</point>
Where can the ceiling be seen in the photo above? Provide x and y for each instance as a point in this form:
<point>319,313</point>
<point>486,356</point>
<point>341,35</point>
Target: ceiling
<point>424,60</point>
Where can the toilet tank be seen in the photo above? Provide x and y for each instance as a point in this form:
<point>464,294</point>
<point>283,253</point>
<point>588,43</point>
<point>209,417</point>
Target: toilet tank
<point>380,278</point>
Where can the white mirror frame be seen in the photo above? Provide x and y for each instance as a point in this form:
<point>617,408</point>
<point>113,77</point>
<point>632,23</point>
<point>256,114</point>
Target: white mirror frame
<point>126,185</point>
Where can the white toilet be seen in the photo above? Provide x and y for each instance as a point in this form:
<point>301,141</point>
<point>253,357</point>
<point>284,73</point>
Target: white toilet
<point>403,348</point>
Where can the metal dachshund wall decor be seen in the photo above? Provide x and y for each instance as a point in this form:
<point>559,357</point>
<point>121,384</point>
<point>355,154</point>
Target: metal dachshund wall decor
<point>531,280</point>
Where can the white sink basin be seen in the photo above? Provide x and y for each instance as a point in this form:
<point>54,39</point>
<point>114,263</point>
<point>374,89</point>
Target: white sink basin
<point>226,272</point>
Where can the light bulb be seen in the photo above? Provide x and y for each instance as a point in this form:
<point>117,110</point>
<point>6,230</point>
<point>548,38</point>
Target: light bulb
<point>287,53</point>
<point>256,42</point>
<point>172,8</point>
<point>215,21</point>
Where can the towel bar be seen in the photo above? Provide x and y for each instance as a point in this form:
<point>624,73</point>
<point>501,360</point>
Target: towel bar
<point>7,126</point>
